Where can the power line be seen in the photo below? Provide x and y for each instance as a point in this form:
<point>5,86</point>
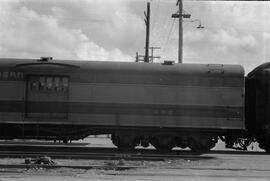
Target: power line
<point>168,38</point>
<point>164,21</point>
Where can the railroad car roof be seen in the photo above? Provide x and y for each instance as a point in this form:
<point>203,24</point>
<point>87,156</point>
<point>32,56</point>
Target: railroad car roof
<point>259,69</point>
<point>148,68</point>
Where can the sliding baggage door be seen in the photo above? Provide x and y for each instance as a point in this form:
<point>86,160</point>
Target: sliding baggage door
<point>47,97</point>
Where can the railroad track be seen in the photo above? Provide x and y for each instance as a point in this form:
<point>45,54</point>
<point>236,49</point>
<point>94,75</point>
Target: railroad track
<point>8,167</point>
<point>87,153</point>
<point>101,156</point>
<point>122,167</point>
<point>99,153</point>
<point>109,159</point>
<point>93,153</point>
<point>115,156</point>
<point>80,149</point>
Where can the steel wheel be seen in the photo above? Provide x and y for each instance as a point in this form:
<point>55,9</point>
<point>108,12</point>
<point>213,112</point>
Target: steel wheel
<point>124,142</point>
<point>202,144</point>
<point>163,143</point>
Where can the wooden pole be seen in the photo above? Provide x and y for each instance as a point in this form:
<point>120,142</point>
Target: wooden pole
<point>147,23</point>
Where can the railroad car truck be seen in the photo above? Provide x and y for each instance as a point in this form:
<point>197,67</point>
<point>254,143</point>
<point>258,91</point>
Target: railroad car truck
<point>166,105</point>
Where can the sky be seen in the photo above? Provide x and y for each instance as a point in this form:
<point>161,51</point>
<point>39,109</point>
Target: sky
<point>235,32</point>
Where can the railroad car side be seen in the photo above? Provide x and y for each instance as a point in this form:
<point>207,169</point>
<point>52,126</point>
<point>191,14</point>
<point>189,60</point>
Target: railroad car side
<point>162,104</point>
<point>158,99</point>
<point>258,105</point>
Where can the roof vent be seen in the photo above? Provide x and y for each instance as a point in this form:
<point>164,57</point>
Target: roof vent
<point>44,59</point>
<point>168,62</point>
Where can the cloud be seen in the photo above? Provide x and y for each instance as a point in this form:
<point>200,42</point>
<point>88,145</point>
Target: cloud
<point>112,25</point>
<point>235,32</point>
<point>194,36</point>
<point>222,40</point>
<point>266,46</point>
<point>25,33</point>
<point>231,39</point>
<point>225,46</point>
<point>266,35</point>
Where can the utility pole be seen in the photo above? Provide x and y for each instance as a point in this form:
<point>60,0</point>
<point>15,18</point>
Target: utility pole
<point>147,23</point>
<point>180,41</point>
<point>141,58</point>
<point>137,57</point>
<point>152,53</point>
<point>146,57</point>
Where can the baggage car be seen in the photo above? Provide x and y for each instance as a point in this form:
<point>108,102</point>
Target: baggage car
<point>167,105</point>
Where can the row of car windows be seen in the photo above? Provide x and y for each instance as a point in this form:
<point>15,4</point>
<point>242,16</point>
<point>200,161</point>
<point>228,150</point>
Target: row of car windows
<point>41,83</point>
<point>49,83</point>
<point>9,75</point>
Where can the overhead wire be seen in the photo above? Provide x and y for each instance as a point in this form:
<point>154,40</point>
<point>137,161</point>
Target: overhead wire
<point>165,22</point>
<point>168,37</point>
<point>184,11</point>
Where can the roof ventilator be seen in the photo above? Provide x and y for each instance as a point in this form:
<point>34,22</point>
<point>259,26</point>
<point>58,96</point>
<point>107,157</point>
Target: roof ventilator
<point>168,62</point>
<point>44,59</point>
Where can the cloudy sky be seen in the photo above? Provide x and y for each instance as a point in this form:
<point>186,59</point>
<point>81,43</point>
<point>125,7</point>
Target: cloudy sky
<point>114,30</point>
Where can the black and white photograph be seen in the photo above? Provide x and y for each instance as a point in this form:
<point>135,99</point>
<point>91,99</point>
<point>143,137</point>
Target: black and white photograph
<point>135,90</point>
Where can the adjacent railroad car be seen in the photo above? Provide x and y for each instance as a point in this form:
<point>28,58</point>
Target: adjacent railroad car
<point>258,105</point>
<point>167,105</point>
